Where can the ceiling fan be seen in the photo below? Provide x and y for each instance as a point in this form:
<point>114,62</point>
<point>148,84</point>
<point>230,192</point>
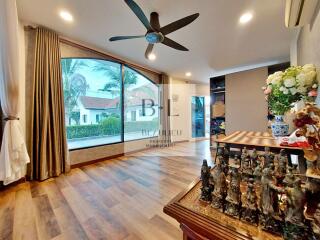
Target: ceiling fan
<point>155,33</point>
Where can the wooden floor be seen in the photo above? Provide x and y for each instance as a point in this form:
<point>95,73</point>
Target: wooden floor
<point>117,199</point>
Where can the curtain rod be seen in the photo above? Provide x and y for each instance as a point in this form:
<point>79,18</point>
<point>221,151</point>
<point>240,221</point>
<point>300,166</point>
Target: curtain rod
<point>84,47</point>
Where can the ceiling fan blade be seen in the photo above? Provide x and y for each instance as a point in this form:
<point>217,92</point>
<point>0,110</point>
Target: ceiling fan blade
<point>179,24</point>
<point>173,44</point>
<point>154,21</point>
<point>149,50</point>
<point>117,38</point>
<point>139,13</point>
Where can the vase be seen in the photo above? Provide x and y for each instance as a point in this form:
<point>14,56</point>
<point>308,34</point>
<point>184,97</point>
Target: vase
<point>279,127</point>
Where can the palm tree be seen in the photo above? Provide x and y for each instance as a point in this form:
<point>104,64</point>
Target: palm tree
<point>113,86</point>
<point>74,85</point>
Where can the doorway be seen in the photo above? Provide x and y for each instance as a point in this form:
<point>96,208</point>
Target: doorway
<point>198,116</point>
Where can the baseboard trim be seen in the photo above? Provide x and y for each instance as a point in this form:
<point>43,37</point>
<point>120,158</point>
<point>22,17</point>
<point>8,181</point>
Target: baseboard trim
<point>182,141</point>
<point>79,165</point>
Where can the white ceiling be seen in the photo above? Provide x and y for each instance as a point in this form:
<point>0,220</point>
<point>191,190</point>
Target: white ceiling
<point>217,42</point>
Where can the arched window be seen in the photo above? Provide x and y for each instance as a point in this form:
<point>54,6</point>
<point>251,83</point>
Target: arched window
<point>102,106</point>
<point>92,99</point>
<point>141,106</point>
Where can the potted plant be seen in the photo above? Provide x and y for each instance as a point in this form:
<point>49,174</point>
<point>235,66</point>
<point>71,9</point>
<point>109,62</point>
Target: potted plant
<point>284,88</point>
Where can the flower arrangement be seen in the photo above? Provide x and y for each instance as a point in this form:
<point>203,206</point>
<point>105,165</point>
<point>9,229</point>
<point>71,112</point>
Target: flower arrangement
<point>308,123</point>
<point>285,88</point>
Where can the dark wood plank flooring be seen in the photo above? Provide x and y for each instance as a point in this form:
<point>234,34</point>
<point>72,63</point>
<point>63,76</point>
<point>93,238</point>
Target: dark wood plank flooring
<point>117,199</point>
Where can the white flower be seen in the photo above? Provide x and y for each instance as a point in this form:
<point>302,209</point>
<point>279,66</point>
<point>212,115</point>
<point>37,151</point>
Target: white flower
<point>285,91</point>
<point>278,74</point>
<point>289,82</point>
<point>293,91</point>
<point>301,79</point>
<point>269,79</point>
<point>315,85</point>
<point>276,80</point>
<point>302,89</point>
<point>308,67</point>
<point>310,77</point>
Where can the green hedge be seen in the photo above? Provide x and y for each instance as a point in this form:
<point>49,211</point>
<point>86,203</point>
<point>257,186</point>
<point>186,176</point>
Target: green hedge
<point>83,131</point>
<point>107,129</point>
<point>141,126</point>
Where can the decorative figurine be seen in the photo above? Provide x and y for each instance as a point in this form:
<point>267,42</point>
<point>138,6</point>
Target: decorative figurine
<point>316,222</point>
<point>254,158</point>
<point>289,178</point>
<point>283,161</point>
<point>223,164</point>
<point>296,226</point>
<point>269,203</point>
<point>236,161</point>
<point>308,123</point>
<point>220,188</point>
<point>233,199</point>
<point>296,200</point>
<point>246,168</point>
<point>257,173</point>
<point>250,211</point>
<point>207,187</point>
<point>312,186</point>
<point>244,154</point>
<point>226,153</point>
<point>268,157</point>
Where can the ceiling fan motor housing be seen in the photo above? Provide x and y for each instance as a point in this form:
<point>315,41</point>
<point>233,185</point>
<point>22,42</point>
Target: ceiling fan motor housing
<point>154,37</point>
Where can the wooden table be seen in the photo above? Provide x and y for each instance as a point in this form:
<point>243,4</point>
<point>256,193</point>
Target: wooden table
<point>260,140</point>
<point>199,221</point>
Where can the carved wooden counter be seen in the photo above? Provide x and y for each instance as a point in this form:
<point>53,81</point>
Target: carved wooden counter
<point>199,221</point>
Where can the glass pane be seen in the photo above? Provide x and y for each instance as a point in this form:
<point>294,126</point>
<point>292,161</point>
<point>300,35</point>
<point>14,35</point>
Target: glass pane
<point>141,106</point>
<point>198,117</point>
<point>92,98</point>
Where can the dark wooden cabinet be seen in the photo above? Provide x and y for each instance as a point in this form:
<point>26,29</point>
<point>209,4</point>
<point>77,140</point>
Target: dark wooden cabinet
<point>217,106</point>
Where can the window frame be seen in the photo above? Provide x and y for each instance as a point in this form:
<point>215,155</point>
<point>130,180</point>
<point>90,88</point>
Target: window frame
<point>122,90</point>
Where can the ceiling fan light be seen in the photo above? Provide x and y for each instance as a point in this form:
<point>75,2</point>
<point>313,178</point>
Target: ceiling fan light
<point>152,57</point>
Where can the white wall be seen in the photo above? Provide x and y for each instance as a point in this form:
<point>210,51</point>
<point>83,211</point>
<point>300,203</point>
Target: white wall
<point>307,45</point>
<point>202,90</point>
<point>180,119</point>
<point>246,107</point>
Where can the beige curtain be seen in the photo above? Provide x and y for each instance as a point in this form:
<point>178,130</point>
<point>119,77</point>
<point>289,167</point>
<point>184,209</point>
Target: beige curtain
<point>47,145</point>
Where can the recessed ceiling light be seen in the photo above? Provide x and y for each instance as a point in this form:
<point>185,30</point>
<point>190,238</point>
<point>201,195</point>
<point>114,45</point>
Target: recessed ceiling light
<point>245,18</point>
<point>188,74</point>
<point>65,15</point>
<point>152,56</point>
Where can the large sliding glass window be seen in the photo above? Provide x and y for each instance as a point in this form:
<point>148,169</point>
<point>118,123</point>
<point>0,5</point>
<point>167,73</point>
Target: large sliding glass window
<point>141,106</point>
<point>92,98</point>
<point>106,102</point>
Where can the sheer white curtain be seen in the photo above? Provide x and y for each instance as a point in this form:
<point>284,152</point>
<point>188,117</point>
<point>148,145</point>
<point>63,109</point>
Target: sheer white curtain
<point>13,156</point>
